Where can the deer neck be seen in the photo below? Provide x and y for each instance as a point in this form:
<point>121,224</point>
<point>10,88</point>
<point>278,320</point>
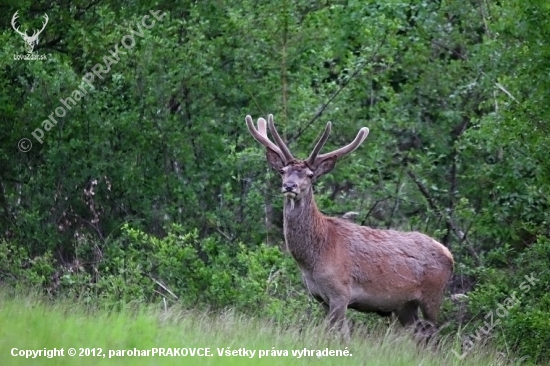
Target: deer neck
<point>304,229</point>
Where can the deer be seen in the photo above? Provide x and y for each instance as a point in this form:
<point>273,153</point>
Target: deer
<point>30,40</point>
<point>346,265</point>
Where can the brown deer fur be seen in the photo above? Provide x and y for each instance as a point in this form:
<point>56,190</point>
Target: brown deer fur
<point>345,265</point>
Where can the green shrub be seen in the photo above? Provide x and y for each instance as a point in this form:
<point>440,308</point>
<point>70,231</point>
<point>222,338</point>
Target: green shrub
<point>523,323</point>
<point>181,267</point>
<point>17,268</point>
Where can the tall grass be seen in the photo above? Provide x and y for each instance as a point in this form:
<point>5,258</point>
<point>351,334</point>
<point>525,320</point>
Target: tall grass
<point>29,322</point>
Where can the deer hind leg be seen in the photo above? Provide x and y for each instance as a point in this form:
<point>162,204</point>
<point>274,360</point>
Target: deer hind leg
<point>426,328</point>
<point>430,308</point>
<point>408,314</point>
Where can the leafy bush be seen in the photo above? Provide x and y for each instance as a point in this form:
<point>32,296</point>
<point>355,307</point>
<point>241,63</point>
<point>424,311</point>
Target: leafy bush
<point>523,315</point>
<point>19,269</point>
<point>180,267</point>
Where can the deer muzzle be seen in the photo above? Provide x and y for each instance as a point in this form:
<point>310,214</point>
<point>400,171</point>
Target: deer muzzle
<point>290,189</point>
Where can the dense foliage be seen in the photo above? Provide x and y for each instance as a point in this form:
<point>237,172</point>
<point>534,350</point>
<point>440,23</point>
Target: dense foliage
<point>146,185</point>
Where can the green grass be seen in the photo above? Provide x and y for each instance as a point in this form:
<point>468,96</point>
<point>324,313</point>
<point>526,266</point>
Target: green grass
<point>29,322</point>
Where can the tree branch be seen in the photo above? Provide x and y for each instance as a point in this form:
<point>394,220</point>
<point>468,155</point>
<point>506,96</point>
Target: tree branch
<point>345,83</point>
<point>433,205</point>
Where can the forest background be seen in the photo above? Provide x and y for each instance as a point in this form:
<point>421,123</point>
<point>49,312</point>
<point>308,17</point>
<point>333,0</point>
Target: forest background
<point>148,187</point>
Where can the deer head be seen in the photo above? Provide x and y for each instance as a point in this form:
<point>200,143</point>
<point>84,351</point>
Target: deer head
<point>298,175</point>
<point>30,40</point>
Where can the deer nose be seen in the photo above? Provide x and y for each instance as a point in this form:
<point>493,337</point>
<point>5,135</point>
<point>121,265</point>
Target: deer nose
<point>289,186</point>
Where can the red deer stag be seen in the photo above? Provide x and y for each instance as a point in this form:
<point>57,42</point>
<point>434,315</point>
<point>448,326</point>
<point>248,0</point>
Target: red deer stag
<point>345,265</point>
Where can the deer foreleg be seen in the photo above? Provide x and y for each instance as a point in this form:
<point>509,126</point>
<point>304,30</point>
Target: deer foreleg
<point>337,317</point>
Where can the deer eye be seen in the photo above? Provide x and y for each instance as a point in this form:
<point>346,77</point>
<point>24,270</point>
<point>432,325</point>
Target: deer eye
<point>282,171</point>
<point>310,175</point>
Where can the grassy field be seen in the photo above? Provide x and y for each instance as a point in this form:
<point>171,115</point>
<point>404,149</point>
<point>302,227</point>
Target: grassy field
<point>28,323</point>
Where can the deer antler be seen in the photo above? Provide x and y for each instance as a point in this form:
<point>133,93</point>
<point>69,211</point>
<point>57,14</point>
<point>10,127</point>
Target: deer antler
<point>310,161</point>
<point>284,149</point>
<point>260,135</point>
<point>45,23</point>
<point>13,19</point>
<point>36,33</point>
<point>314,160</point>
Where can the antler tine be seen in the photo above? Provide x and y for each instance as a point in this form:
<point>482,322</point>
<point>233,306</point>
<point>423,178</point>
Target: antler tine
<point>361,136</point>
<point>262,127</point>
<point>317,149</point>
<point>260,135</point>
<point>278,140</point>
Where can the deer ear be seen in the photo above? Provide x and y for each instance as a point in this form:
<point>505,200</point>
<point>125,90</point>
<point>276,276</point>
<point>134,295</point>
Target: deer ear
<point>325,166</point>
<point>274,159</point>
